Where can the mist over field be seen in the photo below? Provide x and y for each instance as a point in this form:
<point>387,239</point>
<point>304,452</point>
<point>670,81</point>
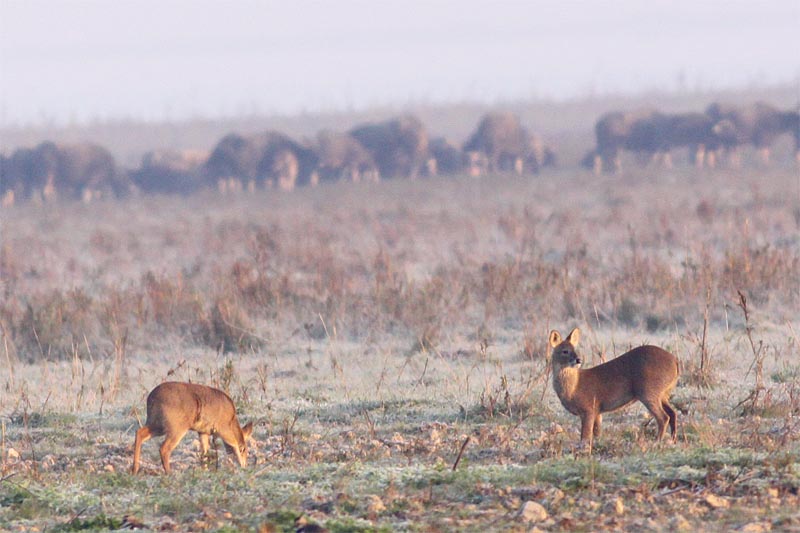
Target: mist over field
<point>386,330</point>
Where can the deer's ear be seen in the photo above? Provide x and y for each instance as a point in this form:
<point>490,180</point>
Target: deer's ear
<point>248,430</point>
<point>555,338</point>
<point>574,336</point>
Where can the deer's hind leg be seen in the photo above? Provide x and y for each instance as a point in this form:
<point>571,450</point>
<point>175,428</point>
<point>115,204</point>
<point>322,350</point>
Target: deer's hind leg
<point>204,443</point>
<point>168,445</point>
<point>659,413</point>
<point>673,419</point>
<point>142,434</point>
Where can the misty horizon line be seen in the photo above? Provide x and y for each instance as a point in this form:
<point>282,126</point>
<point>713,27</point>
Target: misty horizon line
<point>255,111</point>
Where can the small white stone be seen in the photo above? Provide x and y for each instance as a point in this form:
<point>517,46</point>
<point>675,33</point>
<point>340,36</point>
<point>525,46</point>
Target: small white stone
<point>716,502</point>
<point>375,505</point>
<point>532,512</point>
<point>615,506</point>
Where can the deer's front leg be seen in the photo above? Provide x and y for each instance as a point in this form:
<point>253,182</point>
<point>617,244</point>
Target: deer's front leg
<point>598,420</point>
<point>587,427</point>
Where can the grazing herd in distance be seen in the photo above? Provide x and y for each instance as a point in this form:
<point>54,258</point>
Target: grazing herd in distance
<point>720,131</point>
<point>396,148</point>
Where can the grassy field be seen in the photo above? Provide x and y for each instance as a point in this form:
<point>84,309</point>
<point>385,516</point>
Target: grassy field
<point>390,340</point>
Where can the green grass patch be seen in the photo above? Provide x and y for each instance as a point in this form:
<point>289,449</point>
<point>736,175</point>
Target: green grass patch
<point>95,523</point>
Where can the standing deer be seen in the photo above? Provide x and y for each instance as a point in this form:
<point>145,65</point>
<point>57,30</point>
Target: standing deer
<point>174,408</point>
<point>646,373</point>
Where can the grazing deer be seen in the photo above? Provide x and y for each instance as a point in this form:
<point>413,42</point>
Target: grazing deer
<point>646,373</point>
<point>174,408</point>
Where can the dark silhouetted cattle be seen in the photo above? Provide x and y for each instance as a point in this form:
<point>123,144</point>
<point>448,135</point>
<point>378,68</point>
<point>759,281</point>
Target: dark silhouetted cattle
<point>280,167</point>
<point>539,155</point>
<point>170,171</point>
<point>342,157</point>
<point>503,141</point>
<point>699,133</point>
<point>76,171</point>
<point>235,157</point>
<point>652,136</point>
<point>448,157</point>
<point>398,146</point>
<point>758,124</point>
<point>501,144</point>
<point>7,194</point>
<point>265,159</point>
<point>618,130</point>
<point>655,137</point>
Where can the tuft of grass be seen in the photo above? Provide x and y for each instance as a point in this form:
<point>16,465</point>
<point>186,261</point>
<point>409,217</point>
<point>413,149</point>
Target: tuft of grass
<point>786,374</point>
<point>575,474</point>
<point>95,523</point>
<point>347,525</point>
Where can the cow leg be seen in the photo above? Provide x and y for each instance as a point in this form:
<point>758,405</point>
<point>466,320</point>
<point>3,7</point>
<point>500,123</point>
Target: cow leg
<point>597,167</point>
<point>700,156</point>
<point>764,153</point>
<point>711,159</point>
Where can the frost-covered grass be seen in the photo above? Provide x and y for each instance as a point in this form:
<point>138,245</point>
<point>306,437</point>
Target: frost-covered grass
<point>381,335</point>
<point>341,451</point>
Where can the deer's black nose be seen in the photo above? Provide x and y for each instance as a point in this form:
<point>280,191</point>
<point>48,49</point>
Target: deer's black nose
<point>577,360</point>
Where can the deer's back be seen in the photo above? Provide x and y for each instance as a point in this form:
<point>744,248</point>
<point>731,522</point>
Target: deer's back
<point>644,368</point>
<point>175,405</point>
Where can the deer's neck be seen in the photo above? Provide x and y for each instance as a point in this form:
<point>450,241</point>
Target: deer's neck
<point>565,382</point>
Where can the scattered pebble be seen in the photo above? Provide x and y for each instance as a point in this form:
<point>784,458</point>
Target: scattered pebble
<point>375,505</point>
<point>716,502</point>
<point>615,506</point>
<point>532,512</point>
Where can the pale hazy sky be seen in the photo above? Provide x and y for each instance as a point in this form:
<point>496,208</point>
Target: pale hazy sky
<point>172,59</point>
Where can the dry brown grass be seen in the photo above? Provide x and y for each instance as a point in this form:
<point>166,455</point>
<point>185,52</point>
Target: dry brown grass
<point>370,329</point>
<point>467,257</point>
